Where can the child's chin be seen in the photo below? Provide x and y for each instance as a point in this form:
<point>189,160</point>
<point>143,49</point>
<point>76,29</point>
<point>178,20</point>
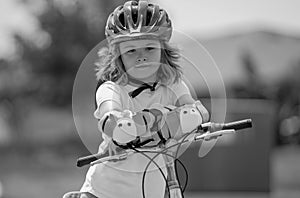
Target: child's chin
<point>141,78</point>
<point>143,72</point>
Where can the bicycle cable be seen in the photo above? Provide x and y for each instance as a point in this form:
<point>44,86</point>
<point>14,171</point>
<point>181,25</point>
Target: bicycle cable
<point>152,160</point>
<point>163,153</point>
<point>144,173</point>
<point>186,174</point>
<point>175,160</point>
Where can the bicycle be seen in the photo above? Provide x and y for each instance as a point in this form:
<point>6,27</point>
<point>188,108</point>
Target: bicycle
<point>206,132</point>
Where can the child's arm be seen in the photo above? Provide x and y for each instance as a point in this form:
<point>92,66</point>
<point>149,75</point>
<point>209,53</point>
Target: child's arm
<point>113,120</point>
<point>172,121</point>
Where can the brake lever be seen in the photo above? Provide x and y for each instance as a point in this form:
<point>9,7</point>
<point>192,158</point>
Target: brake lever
<point>113,158</point>
<point>209,135</point>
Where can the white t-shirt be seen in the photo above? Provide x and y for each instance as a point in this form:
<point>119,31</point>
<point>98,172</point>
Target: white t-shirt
<point>124,178</point>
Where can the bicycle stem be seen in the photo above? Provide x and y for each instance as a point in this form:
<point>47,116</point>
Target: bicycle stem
<point>172,180</point>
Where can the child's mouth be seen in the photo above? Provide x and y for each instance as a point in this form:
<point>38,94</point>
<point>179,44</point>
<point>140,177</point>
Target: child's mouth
<point>143,65</point>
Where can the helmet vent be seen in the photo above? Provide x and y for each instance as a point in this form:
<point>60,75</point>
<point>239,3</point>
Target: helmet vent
<point>122,19</point>
<point>148,18</point>
<point>134,16</point>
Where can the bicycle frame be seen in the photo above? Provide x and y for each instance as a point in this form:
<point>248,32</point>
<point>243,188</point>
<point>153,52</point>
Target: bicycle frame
<point>205,132</point>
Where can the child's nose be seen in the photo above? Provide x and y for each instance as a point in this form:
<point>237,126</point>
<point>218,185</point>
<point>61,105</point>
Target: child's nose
<point>141,59</point>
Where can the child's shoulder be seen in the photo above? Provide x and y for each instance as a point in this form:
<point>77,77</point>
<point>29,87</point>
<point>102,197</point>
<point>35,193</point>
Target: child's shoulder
<point>179,87</point>
<point>178,84</point>
<point>108,85</point>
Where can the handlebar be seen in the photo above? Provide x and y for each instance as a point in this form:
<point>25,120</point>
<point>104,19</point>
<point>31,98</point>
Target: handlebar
<point>215,129</point>
<point>82,161</point>
<point>236,125</point>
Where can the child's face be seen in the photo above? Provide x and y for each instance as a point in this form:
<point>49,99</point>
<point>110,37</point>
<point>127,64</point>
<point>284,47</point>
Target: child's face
<point>141,58</point>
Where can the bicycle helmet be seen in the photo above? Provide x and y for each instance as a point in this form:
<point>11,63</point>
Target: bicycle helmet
<point>138,20</point>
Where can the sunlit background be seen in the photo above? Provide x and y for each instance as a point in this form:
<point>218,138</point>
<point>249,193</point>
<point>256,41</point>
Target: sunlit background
<point>255,44</point>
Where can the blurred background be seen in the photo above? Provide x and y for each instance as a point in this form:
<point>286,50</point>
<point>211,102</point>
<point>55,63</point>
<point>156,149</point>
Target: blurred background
<point>256,45</point>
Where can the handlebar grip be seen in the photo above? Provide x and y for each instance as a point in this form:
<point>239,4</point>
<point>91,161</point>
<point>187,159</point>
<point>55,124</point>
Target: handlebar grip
<point>237,125</point>
<point>82,161</point>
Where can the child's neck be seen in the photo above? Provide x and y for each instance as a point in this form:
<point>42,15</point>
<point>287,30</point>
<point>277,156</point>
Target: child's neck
<point>138,82</point>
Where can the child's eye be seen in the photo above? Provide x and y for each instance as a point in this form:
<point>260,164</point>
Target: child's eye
<point>130,51</point>
<point>150,48</point>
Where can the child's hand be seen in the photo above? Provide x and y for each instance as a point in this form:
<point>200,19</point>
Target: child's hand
<point>125,130</point>
<point>180,121</point>
<point>202,110</point>
<point>189,117</point>
<point>119,126</point>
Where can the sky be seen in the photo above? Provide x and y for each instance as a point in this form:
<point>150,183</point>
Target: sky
<point>209,18</point>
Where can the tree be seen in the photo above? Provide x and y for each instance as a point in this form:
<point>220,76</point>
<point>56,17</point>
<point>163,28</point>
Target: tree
<point>46,74</point>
